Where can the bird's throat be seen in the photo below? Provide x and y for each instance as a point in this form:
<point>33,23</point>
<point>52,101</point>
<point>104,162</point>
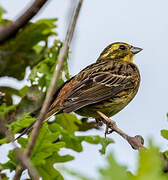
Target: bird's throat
<point>128,58</point>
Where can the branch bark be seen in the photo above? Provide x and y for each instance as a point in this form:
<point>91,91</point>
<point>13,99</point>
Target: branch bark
<point>135,142</point>
<point>2,95</point>
<point>23,160</point>
<point>52,86</point>
<point>10,30</point>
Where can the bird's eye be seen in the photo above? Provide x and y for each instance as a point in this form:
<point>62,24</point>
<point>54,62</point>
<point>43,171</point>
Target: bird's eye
<point>122,47</point>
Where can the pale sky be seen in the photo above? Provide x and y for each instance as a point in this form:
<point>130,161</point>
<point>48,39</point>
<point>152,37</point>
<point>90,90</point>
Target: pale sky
<point>141,23</point>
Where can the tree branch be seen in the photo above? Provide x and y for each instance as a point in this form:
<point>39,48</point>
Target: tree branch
<point>2,95</point>
<point>135,142</point>
<point>52,86</point>
<point>23,160</point>
<point>9,30</point>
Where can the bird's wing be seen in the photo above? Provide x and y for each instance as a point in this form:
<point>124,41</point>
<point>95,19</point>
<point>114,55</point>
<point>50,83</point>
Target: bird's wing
<point>95,87</point>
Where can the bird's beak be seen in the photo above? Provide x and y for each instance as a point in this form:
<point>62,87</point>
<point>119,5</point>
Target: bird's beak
<point>135,50</point>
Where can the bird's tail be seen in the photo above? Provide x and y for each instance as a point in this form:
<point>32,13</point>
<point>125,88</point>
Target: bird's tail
<point>26,131</point>
<point>31,126</point>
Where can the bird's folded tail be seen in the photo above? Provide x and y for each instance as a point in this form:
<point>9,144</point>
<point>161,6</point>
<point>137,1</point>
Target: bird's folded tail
<point>31,126</point>
<point>26,131</point>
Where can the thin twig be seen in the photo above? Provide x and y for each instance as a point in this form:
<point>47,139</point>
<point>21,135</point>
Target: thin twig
<point>23,160</point>
<point>52,86</point>
<point>135,142</point>
<point>18,173</point>
<point>9,30</point>
<point>2,99</point>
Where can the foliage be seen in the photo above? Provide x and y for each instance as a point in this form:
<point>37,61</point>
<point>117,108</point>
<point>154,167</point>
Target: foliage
<point>2,11</point>
<point>29,49</point>
<point>150,167</point>
<point>24,50</point>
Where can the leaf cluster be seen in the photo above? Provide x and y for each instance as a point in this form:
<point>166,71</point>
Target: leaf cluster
<point>150,167</point>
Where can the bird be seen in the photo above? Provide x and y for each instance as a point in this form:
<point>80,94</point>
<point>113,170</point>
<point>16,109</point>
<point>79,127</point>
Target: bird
<point>107,86</point>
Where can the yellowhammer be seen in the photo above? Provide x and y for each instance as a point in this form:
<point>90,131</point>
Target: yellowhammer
<point>107,85</point>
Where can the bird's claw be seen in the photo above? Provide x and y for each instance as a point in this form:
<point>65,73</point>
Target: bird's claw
<point>107,131</point>
<point>110,124</point>
<point>99,123</point>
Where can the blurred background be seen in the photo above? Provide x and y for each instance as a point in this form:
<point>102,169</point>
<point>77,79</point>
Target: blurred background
<point>140,23</point>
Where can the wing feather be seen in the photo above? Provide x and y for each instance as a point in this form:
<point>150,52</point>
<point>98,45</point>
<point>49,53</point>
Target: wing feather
<point>96,83</point>
<point>95,89</point>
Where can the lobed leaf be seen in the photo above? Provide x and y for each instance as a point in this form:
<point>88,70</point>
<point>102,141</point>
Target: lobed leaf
<point>2,11</point>
<point>21,51</point>
<point>164,133</point>
<point>68,121</point>
<point>150,165</point>
<point>42,73</point>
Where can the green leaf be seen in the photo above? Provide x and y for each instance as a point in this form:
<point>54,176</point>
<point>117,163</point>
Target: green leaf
<point>76,174</point>
<point>60,159</point>
<point>21,51</point>
<point>23,91</point>
<point>45,146</point>
<point>87,125</point>
<point>23,142</point>
<point>4,109</point>
<point>12,163</point>
<point>71,141</point>
<point>105,142</point>
<point>68,121</point>
<point>45,152</point>
<point>74,142</point>
<point>164,133</point>
<point>166,154</point>
<point>31,102</point>
<point>47,171</point>
<point>46,71</point>
<point>113,170</point>
<point>150,165</point>
<point>42,73</point>
<point>3,140</point>
<point>2,11</point>
<point>9,92</point>
<point>21,123</point>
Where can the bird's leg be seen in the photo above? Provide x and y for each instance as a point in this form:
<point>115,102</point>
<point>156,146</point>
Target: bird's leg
<point>136,142</point>
<point>99,121</point>
<point>109,124</point>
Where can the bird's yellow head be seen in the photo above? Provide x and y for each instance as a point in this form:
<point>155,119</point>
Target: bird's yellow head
<point>119,50</point>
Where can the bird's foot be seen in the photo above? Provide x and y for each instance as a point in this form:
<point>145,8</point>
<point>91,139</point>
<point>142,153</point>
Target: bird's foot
<point>135,142</point>
<point>99,122</point>
<point>109,124</point>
